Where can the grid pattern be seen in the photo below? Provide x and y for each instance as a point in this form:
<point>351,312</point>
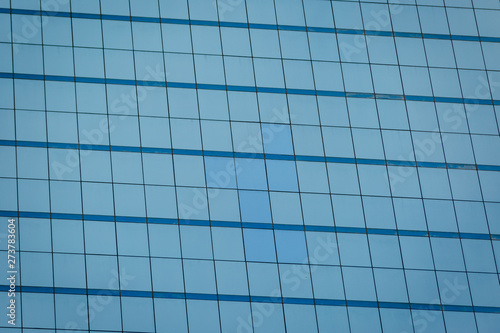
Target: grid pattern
<point>252,166</point>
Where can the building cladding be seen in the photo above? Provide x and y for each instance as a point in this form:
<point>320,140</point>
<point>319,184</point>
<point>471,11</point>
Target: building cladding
<point>250,166</point>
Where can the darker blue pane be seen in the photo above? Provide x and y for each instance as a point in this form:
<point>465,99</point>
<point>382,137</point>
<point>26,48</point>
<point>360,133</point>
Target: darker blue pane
<point>259,245</point>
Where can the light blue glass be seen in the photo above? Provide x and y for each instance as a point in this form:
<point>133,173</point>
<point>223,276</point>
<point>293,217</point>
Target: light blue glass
<point>100,237</point>
<point>139,306</point>
<point>282,175</point>
<point>196,242</point>
<point>132,239</point>
<point>170,314</point>
<point>291,246</point>
<point>199,276</point>
<point>69,271</point>
<point>167,275</point>
<point>99,278</point>
<point>139,268</point>
<point>391,286</point>
<point>231,278</point>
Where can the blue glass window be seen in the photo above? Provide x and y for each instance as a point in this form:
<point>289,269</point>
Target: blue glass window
<point>259,245</point>
<point>291,246</point>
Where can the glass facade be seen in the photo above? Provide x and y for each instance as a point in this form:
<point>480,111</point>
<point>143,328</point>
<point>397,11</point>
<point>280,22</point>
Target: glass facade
<point>250,166</point>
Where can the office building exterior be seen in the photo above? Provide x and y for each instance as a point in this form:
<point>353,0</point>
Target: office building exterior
<point>240,166</point>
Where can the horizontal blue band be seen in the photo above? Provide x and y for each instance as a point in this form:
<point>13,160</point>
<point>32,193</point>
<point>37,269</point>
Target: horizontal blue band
<point>244,88</point>
<point>200,223</point>
<point>417,233</point>
<point>310,158</point>
<point>431,165</point>
<point>407,34</point>
<point>130,219</point>
<point>249,225</point>
<point>401,163</point>
<point>174,21</point>
<point>251,25</point>
<point>259,299</point>
<point>103,292</point>
<point>436,36</point>
<point>248,155</point>
<point>468,38</point>
<point>292,27</point>
<point>271,90</point>
<point>40,215</point>
<point>441,234</point>
<point>460,308</point>
<point>298,227</point>
<point>321,29</point>
<point>280,157</point>
<point>264,299</point>
<point>145,19</point>
<point>370,161</point>
<point>330,93</point>
<point>486,309</point>
<point>362,304</point>
<point>203,22</point>
<point>263,26</point>
<point>126,149</point>
<point>359,95</point>
<point>234,25</point>
<point>474,236</point>
<point>351,230</point>
<point>90,80</point>
<point>66,216</point>
<point>350,31</point>
<point>116,17</point>
<point>341,160</point>
<point>331,302</point>
<point>59,78</point>
<point>490,39</point>
<point>320,228</point>
<point>169,295</point>
<point>156,150</point>
<point>162,221</point>
<point>290,300</point>
<point>234,298</point>
<point>151,83</point>
<point>460,166</point>
<point>379,33</point>
<point>418,306</point>
<point>194,152</point>
<point>62,145</point>
<point>73,291</point>
<point>382,231</point>
<point>31,144</point>
<point>45,290</point>
<point>227,224</point>
<point>121,81</point>
<point>393,305</point>
<point>136,293</point>
<point>389,96</point>
<point>207,297</point>
<point>241,88</point>
<point>86,15</point>
<point>99,218</point>
<point>218,153</point>
<point>488,167</point>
